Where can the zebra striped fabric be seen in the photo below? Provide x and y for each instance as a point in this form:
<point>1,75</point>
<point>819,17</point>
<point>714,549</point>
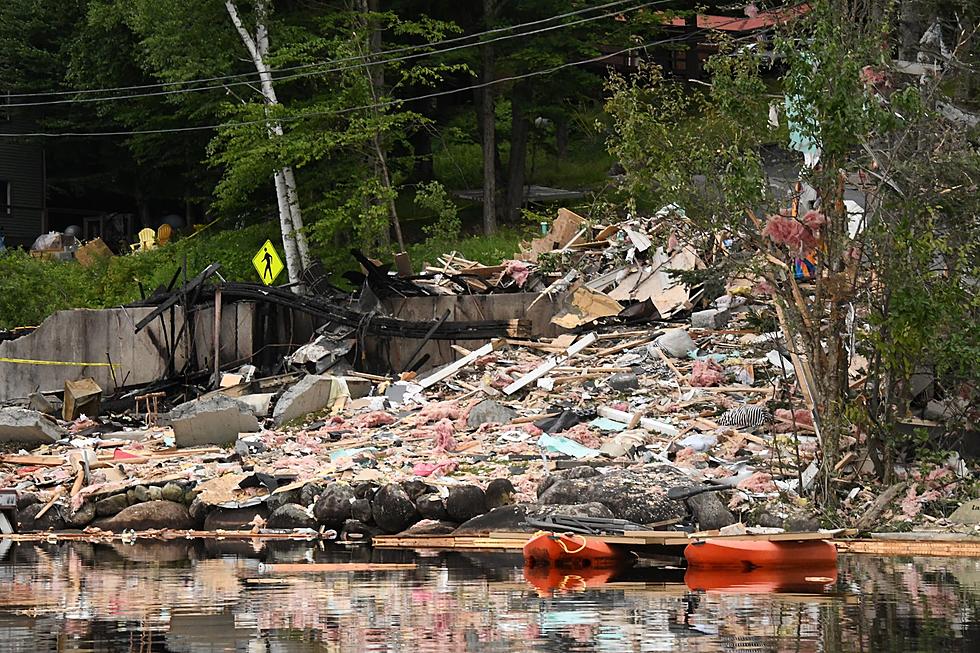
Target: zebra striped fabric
<point>745,417</point>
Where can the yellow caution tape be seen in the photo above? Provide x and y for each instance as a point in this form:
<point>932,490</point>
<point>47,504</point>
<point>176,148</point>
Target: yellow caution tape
<point>29,361</point>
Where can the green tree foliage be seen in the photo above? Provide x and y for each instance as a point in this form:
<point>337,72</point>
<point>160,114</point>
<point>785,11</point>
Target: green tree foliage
<point>907,274</point>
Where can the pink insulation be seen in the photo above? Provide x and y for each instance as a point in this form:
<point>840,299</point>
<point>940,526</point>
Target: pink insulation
<point>791,233</point>
<point>372,420</point>
<point>706,373</point>
<point>518,271</point>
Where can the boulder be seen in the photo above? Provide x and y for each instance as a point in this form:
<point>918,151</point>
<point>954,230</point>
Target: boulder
<point>415,488</point>
<point>500,492</point>
<point>429,527</point>
<point>623,381</point>
<point>638,494</point>
<point>291,516</point>
<point>709,512</point>
<point>582,471</point>
<point>172,492</point>
<point>431,507</point>
<point>22,425</point>
<point>154,493</point>
<point>512,518</point>
<point>213,420</point>
<point>111,505</point>
<point>313,393</point>
<point>52,520</point>
<point>25,499</point>
<point>357,531</point>
<point>365,490</point>
<point>277,500</point>
<point>309,494</point>
<point>333,507</point>
<point>392,509</point>
<point>82,517</point>
<point>148,516</point>
<point>198,511</point>
<point>138,494</point>
<point>593,509</point>
<point>466,502</point>
<point>360,509</point>
<point>234,519</point>
<point>489,411</point>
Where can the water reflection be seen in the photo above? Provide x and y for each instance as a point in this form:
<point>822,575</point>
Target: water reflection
<point>197,597</point>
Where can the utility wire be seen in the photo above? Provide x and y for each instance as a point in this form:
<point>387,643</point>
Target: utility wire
<point>329,70</point>
<point>378,105</point>
<point>329,62</point>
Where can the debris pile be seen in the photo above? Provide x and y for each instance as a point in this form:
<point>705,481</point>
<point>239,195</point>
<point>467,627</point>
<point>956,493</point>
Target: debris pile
<point>653,404</point>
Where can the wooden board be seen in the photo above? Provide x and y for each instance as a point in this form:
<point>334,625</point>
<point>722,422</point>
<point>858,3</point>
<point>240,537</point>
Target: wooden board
<point>326,567</point>
<point>961,549</point>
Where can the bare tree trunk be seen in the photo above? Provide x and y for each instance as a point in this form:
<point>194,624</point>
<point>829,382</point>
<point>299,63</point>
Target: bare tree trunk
<point>489,128</point>
<point>290,216</point>
<point>375,75</point>
<point>520,128</point>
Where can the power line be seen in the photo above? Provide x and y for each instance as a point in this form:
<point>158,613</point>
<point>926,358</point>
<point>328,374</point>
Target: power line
<point>337,69</point>
<point>378,105</point>
<point>330,62</point>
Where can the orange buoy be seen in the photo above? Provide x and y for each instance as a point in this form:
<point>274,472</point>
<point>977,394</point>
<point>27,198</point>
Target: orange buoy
<point>749,554</point>
<point>761,580</point>
<point>572,551</point>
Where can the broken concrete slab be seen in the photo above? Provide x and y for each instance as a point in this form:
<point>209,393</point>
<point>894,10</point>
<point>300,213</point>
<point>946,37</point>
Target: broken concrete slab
<point>315,392</point>
<point>215,420</point>
<point>968,513</point>
<point>22,425</point>
<point>489,412</point>
<point>260,404</point>
<point>41,404</point>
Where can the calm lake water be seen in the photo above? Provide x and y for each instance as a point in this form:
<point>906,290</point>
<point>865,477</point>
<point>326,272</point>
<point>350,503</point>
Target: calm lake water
<point>197,596</point>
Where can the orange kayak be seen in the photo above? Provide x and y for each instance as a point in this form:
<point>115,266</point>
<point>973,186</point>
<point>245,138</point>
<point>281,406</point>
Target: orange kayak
<point>761,580</point>
<point>572,551</point>
<point>749,554</point>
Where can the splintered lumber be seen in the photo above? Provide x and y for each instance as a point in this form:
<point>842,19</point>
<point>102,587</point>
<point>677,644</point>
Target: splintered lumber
<point>551,363</point>
<point>39,461</point>
<point>886,497</point>
<point>626,345</point>
<point>453,368</point>
<point>57,495</point>
<point>327,567</point>
<point>648,423</point>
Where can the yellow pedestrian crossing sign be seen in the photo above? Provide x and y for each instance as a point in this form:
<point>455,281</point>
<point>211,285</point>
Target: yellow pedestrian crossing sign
<point>267,263</point>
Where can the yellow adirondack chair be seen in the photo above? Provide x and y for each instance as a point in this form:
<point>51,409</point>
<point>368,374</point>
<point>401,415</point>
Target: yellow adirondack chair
<point>148,240</point>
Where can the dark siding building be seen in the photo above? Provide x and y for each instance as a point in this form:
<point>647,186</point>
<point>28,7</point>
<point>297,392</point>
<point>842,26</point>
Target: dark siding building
<point>22,191</point>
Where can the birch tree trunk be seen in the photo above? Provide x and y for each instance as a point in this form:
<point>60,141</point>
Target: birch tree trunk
<point>290,216</point>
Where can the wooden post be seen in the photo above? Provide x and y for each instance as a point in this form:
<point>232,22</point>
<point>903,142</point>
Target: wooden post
<point>217,337</point>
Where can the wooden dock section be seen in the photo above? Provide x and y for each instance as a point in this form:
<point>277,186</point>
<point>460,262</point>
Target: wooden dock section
<point>963,548</point>
<point>669,542</point>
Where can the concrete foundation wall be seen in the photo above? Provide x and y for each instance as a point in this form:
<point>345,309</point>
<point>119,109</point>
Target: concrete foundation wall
<point>95,336</point>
